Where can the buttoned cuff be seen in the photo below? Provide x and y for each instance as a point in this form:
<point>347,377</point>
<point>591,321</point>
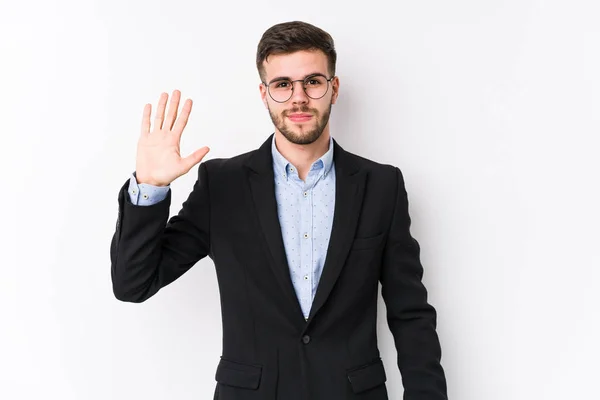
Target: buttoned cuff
<point>144,194</point>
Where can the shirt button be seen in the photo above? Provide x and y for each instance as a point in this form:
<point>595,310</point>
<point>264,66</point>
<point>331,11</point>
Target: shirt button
<point>305,277</point>
<point>306,236</point>
<point>133,191</point>
<point>306,339</point>
<point>145,196</point>
<point>305,194</point>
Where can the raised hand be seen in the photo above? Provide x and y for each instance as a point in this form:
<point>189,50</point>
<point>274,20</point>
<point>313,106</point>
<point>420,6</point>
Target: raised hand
<point>158,160</point>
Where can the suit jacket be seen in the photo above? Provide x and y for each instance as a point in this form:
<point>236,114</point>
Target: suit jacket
<point>269,350</point>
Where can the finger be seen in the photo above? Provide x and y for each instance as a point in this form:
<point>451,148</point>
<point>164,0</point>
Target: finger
<point>173,107</point>
<point>183,118</point>
<point>146,119</point>
<point>194,158</point>
<point>160,111</point>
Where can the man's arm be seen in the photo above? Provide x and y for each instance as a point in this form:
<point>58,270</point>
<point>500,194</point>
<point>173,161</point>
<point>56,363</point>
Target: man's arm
<point>148,251</point>
<point>411,319</point>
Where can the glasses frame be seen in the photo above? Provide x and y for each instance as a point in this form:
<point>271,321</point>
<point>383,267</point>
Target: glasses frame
<point>303,87</point>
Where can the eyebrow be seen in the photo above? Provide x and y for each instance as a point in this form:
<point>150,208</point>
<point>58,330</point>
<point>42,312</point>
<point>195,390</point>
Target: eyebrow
<point>287,78</point>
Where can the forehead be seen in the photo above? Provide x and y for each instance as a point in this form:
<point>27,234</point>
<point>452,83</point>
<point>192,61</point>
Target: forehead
<point>295,65</point>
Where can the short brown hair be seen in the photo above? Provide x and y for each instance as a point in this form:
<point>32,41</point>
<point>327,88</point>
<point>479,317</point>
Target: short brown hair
<point>289,37</point>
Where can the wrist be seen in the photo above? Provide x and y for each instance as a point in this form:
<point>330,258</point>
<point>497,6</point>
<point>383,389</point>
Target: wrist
<point>148,181</point>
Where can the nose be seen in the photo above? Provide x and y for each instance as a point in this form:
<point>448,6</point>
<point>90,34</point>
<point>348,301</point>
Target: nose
<point>298,94</point>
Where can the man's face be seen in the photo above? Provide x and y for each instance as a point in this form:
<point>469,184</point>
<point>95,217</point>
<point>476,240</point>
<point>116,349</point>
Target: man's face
<point>312,115</point>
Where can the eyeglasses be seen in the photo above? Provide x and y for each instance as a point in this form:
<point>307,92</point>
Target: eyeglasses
<point>315,87</point>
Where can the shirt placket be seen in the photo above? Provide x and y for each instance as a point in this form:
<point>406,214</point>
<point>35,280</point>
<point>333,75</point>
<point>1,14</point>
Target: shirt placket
<point>307,243</point>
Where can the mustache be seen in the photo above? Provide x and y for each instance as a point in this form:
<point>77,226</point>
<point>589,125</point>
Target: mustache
<point>299,110</point>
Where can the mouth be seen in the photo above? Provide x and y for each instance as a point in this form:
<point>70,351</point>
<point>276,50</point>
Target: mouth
<point>299,117</point>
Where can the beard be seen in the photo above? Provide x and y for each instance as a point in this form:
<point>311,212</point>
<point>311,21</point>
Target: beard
<point>301,133</point>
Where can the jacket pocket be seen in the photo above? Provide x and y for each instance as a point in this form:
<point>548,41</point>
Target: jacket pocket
<point>367,377</point>
<point>233,373</point>
<point>367,243</point>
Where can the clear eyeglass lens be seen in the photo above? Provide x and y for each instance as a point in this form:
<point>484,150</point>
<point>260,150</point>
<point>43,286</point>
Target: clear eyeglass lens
<point>315,87</point>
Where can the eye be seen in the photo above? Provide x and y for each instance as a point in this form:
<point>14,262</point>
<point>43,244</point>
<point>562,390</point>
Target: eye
<point>282,84</point>
<point>314,81</point>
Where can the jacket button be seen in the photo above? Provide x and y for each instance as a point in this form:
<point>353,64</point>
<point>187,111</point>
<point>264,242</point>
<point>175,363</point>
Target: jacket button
<point>305,339</point>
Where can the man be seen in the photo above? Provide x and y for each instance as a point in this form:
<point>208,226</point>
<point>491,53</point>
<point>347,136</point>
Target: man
<point>301,232</point>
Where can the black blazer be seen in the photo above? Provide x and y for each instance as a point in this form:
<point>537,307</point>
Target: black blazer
<point>269,350</point>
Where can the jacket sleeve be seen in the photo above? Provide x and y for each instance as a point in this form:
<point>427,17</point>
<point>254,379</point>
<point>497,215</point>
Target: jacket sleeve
<point>411,320</point>
<point>148,251</point>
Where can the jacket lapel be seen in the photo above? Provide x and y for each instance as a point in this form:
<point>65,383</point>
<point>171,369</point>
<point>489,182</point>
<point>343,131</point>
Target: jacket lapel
<point>349,192</point>
<point>262,184</point>
<point>350,184</point>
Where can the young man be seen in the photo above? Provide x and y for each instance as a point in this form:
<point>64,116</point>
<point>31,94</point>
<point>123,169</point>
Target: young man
<point>301,232</point>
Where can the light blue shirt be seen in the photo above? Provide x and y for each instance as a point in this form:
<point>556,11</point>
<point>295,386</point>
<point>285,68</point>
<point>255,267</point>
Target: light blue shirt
<point>305,210</point>
<point>143,194</point>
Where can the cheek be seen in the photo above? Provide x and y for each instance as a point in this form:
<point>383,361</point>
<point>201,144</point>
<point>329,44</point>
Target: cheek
<point>323,106</point>
<point>275,110</point>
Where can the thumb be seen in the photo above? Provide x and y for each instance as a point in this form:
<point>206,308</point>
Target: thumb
<point>194,158</point>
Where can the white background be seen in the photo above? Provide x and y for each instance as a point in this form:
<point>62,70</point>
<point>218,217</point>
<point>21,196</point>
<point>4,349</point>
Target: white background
<point>490,109</point>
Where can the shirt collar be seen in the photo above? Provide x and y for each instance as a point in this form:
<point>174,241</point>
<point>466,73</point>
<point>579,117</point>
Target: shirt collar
<point>281,165</point>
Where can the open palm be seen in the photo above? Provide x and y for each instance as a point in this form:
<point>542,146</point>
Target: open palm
<point>159,160</point>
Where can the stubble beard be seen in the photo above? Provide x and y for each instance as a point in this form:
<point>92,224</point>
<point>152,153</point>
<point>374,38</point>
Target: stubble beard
<point>301,134</point>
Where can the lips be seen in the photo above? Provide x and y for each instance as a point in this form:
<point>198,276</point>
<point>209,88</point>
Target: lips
<point>299,117</point>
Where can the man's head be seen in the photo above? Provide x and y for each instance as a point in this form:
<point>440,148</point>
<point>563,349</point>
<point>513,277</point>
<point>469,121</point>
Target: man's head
<point>296,65</point>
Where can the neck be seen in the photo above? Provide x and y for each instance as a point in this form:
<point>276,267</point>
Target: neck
<point>302,156</point>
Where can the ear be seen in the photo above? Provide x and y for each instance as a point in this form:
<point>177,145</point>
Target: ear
<point>335,87</point>
<point>263,94</point>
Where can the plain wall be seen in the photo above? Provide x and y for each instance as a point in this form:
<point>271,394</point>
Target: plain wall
<point>490,109</point>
